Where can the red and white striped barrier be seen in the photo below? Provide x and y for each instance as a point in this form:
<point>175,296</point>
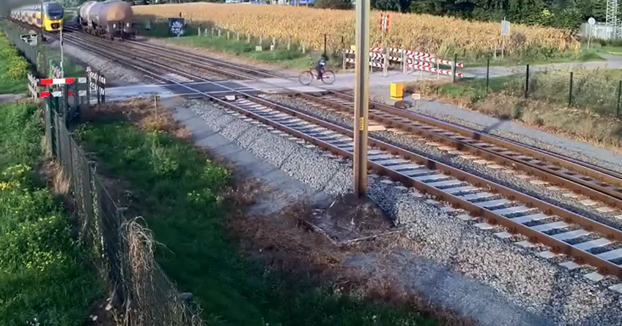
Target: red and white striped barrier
<point>56,81</point>
<point>59,81</point>
<point>371,63</point>
<point>408,59</point>
<point>434,70</point>
<point>45,94</point>
<point>436,60</point>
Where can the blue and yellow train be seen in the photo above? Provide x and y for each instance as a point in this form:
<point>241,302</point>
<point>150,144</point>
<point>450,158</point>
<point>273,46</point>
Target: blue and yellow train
<point>49,18</point>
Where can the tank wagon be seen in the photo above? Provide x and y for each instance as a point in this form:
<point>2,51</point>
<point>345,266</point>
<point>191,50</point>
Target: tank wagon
<point>112,18</point>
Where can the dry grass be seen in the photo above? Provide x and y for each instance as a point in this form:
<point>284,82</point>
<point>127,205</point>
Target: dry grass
<point>146,114</point>
<point>286,243</point>
<point>581,124</point>
<point>439,35</point>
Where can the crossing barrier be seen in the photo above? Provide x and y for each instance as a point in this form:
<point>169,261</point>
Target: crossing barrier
<point>74,92</point>
<point>407,61</point>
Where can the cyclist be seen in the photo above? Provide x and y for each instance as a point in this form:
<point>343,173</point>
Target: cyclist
<point>320,66</point>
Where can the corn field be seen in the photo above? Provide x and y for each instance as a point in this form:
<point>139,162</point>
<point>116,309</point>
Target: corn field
<point>439,35</point>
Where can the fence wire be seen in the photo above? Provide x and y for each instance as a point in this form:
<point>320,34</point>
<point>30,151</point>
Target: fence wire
<point>121,248</point>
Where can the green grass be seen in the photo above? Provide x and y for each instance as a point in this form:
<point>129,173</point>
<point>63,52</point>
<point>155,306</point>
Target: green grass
<point>44,272</point>
<point>593,89</point>
<point>13,69</point>
<point>179,194</point>
<point>292,58</point>
<point>287,58</point>
<point>533,58</point>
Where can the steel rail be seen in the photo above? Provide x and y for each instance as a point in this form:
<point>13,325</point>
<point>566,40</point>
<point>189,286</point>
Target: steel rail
<point>558,246</point>
<point>497,141</point>
<point>478,145</point>
<point>571,180</point>
<point>605,266</point>
<point>597,172</point>
<point>602,191</point>
<point>469,132</point>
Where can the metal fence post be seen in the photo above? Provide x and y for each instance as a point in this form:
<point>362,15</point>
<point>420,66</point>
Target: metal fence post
<point>403,62</point>
<point>619,95</point>
<point>325,37</point>
<point>454,68</point>
<point>98,89</point>
<point>124,270</point>
<point>570,90</point>
<point>527,82</point>
<point>487,74</point>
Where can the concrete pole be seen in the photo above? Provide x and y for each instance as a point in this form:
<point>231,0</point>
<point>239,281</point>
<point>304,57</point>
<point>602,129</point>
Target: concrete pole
<point>361,97</point>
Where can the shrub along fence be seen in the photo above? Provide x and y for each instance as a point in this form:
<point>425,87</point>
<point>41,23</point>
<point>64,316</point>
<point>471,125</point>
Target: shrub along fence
<point>122,249</point>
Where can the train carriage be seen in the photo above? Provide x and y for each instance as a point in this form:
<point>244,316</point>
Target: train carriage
<point>49,17</point>
<point>111,18</point>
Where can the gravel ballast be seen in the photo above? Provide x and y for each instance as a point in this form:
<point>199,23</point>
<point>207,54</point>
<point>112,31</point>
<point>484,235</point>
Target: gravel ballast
<point>516,131</point>
<point>452,262</point>
<point>500,176</point>
<point>115,73</point>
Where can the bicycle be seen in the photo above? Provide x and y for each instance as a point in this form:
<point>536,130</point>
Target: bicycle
<point>306,77</point>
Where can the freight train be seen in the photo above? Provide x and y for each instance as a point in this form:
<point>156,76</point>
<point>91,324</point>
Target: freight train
<point>49,17</point>
<point>112,18</point>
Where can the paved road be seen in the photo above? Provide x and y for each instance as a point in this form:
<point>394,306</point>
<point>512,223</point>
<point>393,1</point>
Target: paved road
<point>376,78</point>
<point>611,62</point>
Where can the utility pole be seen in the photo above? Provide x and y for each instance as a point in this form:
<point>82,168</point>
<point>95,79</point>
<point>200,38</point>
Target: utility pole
<point>361,97</point>
<point>62,54</point>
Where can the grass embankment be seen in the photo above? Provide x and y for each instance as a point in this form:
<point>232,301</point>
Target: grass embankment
<point>45,274</point>
<point>13,69</point>
<point>180,194</point>
<point>590,118</point>
<point>532,58</point>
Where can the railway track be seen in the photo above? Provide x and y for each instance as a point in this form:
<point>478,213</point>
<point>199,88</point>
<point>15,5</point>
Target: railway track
<point>585,240</point>
<point>599,184</point>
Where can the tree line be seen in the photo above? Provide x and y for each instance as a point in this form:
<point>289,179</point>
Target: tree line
<point>555,13</point>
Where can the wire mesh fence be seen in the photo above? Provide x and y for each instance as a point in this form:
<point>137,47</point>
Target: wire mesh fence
<point>122,249</point>
<point>598,90</point>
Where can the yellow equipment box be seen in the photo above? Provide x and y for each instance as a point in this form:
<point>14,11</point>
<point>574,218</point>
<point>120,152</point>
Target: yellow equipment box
<point>397,91</point>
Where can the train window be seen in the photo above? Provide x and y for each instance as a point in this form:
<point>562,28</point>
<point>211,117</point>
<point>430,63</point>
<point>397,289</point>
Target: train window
<point>55,11</point>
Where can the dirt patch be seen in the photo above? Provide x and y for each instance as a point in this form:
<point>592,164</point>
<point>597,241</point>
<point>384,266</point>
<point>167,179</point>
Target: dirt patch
<point>11,97</point>
<point>284,241</point>
<point>348,220</point>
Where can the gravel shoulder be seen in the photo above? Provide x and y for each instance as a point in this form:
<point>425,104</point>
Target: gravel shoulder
<point>512,130</point>
<point>440,257</point>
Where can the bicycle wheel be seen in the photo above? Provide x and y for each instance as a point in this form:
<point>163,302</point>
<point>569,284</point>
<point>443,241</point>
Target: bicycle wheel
<point>305,78</point>
<point>328,77</point>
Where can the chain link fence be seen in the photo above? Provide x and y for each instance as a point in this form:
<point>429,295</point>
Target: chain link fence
<point>122,248</point>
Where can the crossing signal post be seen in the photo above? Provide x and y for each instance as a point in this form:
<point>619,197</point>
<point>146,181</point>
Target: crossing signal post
<point>384,28</point>
<point>361,97</point>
